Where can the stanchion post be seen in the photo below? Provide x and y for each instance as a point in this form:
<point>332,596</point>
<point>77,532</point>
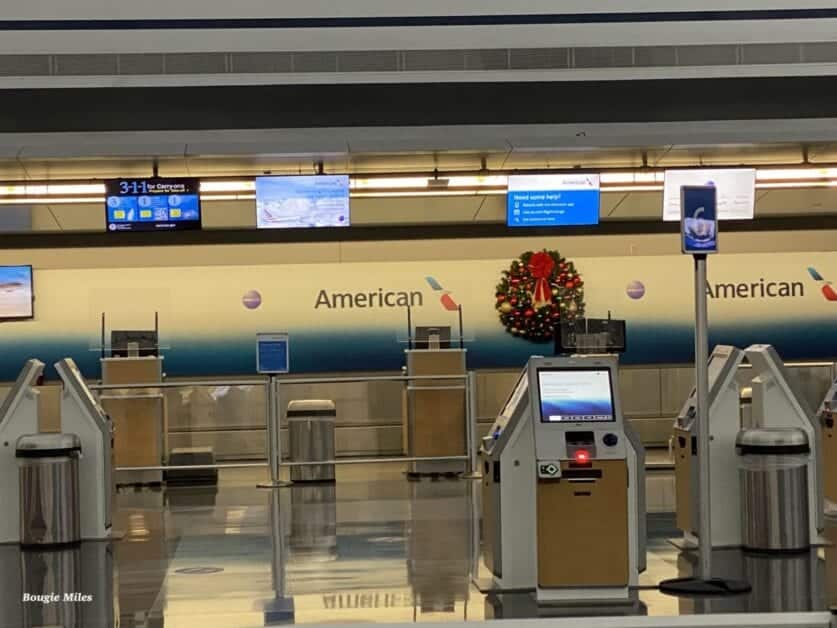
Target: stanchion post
<point>274,440</point>
<point>471,403</point>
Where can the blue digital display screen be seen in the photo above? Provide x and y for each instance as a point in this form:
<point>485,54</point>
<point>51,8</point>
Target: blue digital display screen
<point>575,395</point>
<point>272,354</point>
<point>300,202</point>
<point>16,295</point>
<point>553,200</point>
<point>152,204</point>
<point>699,223</point>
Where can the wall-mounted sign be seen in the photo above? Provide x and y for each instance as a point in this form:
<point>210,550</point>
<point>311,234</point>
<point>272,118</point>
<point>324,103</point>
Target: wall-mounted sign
<point>736,191</point>
<point>552,200</point>
<point>272,354</point>
<point>152,204</point>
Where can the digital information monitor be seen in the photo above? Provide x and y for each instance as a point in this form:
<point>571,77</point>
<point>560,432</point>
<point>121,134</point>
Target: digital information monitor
<point>575,395</point>
<point>699,226</point>
<point>300,202</point>
<point>272,354</point>
<point>152,204</point>
<point>16,295</point>
<point>553,200</point>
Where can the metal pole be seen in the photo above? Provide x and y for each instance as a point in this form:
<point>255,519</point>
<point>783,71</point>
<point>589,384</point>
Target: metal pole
<point>274,443</point>
<point>471,426</point>
<point>702,390</point>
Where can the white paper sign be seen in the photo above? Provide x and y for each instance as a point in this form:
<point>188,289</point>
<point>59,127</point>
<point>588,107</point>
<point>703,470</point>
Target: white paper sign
<point>736,191</point>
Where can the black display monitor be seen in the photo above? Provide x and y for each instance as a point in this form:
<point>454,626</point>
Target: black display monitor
<point>120,341</point>
<point>153,204</point>
<point>591,335</point>
<point>424,336</point>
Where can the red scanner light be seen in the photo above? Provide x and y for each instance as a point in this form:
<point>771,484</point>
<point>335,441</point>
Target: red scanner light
<point>582,455</point>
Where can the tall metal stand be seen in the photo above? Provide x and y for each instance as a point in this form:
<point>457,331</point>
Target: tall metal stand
<point>274,442</point>
<point>702,392</point>
<point>703,583</point>
<point>473,472</point>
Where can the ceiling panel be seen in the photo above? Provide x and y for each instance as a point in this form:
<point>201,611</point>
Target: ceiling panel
<point>750,154</point>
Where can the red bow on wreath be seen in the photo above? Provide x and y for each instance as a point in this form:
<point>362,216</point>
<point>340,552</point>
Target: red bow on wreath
<point>541,266</point>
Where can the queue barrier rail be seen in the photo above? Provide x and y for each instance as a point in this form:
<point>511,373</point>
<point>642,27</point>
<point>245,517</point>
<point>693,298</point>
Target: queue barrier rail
<point>273,386</point>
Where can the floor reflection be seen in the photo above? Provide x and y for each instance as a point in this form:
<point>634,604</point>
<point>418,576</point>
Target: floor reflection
<point>372,547</point>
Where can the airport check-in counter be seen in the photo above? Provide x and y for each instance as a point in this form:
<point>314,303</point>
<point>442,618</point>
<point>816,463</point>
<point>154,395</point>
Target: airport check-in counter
<point>563,487</point>
<point>139,416</point>
<point>434,419</point>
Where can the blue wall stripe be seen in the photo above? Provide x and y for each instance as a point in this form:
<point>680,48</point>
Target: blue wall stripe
<point>420,21</point>
<point>330,350</point>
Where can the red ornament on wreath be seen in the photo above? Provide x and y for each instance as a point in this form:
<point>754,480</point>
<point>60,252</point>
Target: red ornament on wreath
<point>548,293</point>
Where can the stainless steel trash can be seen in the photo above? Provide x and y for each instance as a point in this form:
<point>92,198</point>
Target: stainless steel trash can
<point>49,491</point>
<point>311,428</point>
<point>774,488</point>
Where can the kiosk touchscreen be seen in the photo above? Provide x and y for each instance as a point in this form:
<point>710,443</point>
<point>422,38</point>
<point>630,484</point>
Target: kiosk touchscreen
<point>18,416</point>
<point>724,425</point>
<point>83,415</point>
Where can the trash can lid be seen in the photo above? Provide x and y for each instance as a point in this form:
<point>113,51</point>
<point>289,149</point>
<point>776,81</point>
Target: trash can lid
<point>312,407</point>
<point>773,441</point>
<point>45,445</point>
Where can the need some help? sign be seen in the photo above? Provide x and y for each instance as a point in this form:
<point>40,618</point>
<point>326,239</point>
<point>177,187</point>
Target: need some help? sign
<point>699,219</point>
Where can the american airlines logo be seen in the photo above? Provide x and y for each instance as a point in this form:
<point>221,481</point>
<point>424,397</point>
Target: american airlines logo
<point>825,286</point>
<point>382,298</point>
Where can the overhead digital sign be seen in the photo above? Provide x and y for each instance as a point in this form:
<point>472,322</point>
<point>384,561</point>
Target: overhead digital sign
<point>553,200</point>
<point>298,202</point>
<point>16,295</point>
<point>152,204</point>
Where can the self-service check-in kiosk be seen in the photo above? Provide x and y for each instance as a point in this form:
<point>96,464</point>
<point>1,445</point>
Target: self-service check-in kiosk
<point>827,416</point>
<point>563,488</point>
<point>774,405</point>
<point>724,425</point>
<point>83,415</point>
<point>777,404</point>
<point>18,416</point>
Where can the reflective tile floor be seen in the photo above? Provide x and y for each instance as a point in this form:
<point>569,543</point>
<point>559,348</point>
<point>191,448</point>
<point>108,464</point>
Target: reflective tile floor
<point>373,547</point>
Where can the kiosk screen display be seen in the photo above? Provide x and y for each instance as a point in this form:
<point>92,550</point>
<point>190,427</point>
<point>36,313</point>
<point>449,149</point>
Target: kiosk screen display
<point>576,395</point>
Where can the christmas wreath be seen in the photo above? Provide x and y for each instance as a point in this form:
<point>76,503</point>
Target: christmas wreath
<point>537,292</point>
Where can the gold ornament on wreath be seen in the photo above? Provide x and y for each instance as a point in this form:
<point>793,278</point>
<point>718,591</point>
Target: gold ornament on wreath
<point>537,292</point>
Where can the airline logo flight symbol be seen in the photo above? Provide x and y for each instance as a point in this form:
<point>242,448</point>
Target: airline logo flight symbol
<point>827,290</point>
<point>446,300</point>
